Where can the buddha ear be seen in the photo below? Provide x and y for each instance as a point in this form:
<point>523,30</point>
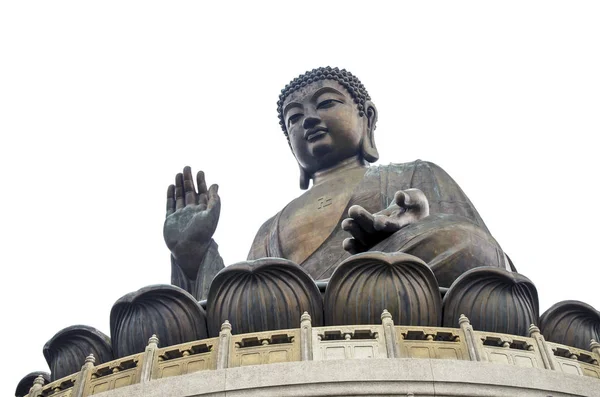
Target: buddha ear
<point>369,150</point>
<point>304,178</point>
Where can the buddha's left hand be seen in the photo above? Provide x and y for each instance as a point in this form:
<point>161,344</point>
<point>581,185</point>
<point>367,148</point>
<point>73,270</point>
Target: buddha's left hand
<point>408,206</point>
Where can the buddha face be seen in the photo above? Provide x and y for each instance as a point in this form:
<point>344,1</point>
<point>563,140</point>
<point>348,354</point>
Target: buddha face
<point>323,125</point>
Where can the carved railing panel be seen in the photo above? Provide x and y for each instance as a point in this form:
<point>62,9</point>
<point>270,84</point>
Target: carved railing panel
<point>430,342</point>
<point>112,375</point>
<point>507,349</point>
<point>61,387</point>
<point>186,358</point>
<point>575,361</point>
<point>349,342</point>
<point>265,348</point>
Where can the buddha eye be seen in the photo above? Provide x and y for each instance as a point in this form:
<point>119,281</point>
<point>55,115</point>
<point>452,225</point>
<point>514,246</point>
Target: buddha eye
<point>294,118</point>
<point>327,103</point>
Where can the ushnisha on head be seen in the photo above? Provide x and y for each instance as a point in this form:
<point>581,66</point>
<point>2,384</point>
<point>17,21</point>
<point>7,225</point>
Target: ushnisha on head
<point>328,117</point>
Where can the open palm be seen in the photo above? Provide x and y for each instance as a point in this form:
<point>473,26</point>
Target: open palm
<point>192,218</point>
<point>409,206</point>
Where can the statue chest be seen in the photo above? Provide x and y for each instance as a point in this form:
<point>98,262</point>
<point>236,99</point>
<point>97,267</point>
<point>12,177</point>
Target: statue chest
<point>307,222</point>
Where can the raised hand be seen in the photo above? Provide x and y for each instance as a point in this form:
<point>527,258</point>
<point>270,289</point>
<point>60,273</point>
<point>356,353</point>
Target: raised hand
<point>191,221</point>
<point>408,206</point>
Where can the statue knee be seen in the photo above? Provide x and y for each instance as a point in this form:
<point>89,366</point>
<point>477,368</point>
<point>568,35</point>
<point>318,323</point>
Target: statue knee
<point>450,244</point>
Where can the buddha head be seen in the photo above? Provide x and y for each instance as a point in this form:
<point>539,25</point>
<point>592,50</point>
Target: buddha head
<point>328,117</point>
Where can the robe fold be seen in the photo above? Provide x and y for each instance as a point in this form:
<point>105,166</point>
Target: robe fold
<point>209,265</point>
<point>452,240</point>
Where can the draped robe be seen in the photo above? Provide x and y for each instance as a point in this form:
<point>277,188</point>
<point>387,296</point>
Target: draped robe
<point>452,239</point>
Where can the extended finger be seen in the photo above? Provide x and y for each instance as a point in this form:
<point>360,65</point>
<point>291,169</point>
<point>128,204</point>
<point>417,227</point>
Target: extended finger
<point>201,182</point>
<point>179,199</point>
<point>418,201</point>
<point>402,199</point>
<point>351,226</point>
<point>170,199</point>
<point>203,201</point>
<point>353,246</point>
<point>363,217</point>
<point>213,197</point>
<point>188,186</point>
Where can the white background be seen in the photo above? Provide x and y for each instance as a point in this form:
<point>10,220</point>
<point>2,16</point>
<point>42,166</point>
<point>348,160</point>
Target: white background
<point>102,103</point>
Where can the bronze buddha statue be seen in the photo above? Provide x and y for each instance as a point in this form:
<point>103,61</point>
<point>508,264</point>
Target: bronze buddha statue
<point>329,120</point>
<point>390,239</point>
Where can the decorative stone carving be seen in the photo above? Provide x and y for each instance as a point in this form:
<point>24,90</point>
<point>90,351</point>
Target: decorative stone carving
<point>571,323</point>
<point>165,310</point>
<point>494,300</point>
<point>27,381</point>
<point>365,285</point>
<point>66,351</point>
<point>262,295</point>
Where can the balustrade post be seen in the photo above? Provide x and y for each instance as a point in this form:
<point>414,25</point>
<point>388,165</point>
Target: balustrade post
<point>224,346</point>
<point>389,334</point>
<point>595,348</point>
<point>83,376</point>
<point>545,351</point>
<point>306,351</point>
<point>36,388</point>
<point>149,359</point>
<point>474,346</point>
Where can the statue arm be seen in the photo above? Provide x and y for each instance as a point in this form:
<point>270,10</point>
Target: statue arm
<point>191,221</point>
<point>208,266</point>
<point>412,191</point>
<point>211,263</point>
<point>442,192</point>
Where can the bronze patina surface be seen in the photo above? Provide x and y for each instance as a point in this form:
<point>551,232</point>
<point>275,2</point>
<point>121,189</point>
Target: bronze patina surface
<point>27,381</point>
<point>366,284</point>
<point>412,208</point>
<point>329,120</point>
<point>257,296</point>
<point>69,347</point>
<point>164,310</point>
<point>494,299</point>
<point>572,323</point>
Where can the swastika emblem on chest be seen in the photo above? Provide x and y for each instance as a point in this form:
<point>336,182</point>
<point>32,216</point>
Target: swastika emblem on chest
<point>323,202</point>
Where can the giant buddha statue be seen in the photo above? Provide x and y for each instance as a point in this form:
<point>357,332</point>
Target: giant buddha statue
<point>329,121</point>
<point>399,239</point>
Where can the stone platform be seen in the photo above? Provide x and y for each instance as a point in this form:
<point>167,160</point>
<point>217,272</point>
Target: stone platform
<point>377,377</point>
<point>354,360</point>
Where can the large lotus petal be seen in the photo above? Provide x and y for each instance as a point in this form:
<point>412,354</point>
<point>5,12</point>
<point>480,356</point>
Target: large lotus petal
<point>260,295</point>
<point>494,300</point>
<point>364,285</point>
<point>27,381</point>
<point>571,323</point>
<point>66,351</point>
<point>165,310</point>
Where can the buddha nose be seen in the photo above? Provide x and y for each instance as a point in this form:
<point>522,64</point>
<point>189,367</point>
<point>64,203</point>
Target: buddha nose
<point>310,121</point>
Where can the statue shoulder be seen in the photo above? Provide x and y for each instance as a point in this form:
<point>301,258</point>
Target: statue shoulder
<point>412,174</point>
<point>424,175</point>
<point>420,165</point>
<point>442,192</point>
<point>260,245</point>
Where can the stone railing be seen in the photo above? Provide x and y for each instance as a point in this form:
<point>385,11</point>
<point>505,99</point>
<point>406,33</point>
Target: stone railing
<point>577,361</point>
<point>112,375</point>
<point>59,388</point>
<point>324,343</point>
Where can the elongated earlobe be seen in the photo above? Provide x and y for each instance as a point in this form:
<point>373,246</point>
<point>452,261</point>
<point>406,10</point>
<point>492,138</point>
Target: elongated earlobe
<point>369,150</point>
<point>304,179</point>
